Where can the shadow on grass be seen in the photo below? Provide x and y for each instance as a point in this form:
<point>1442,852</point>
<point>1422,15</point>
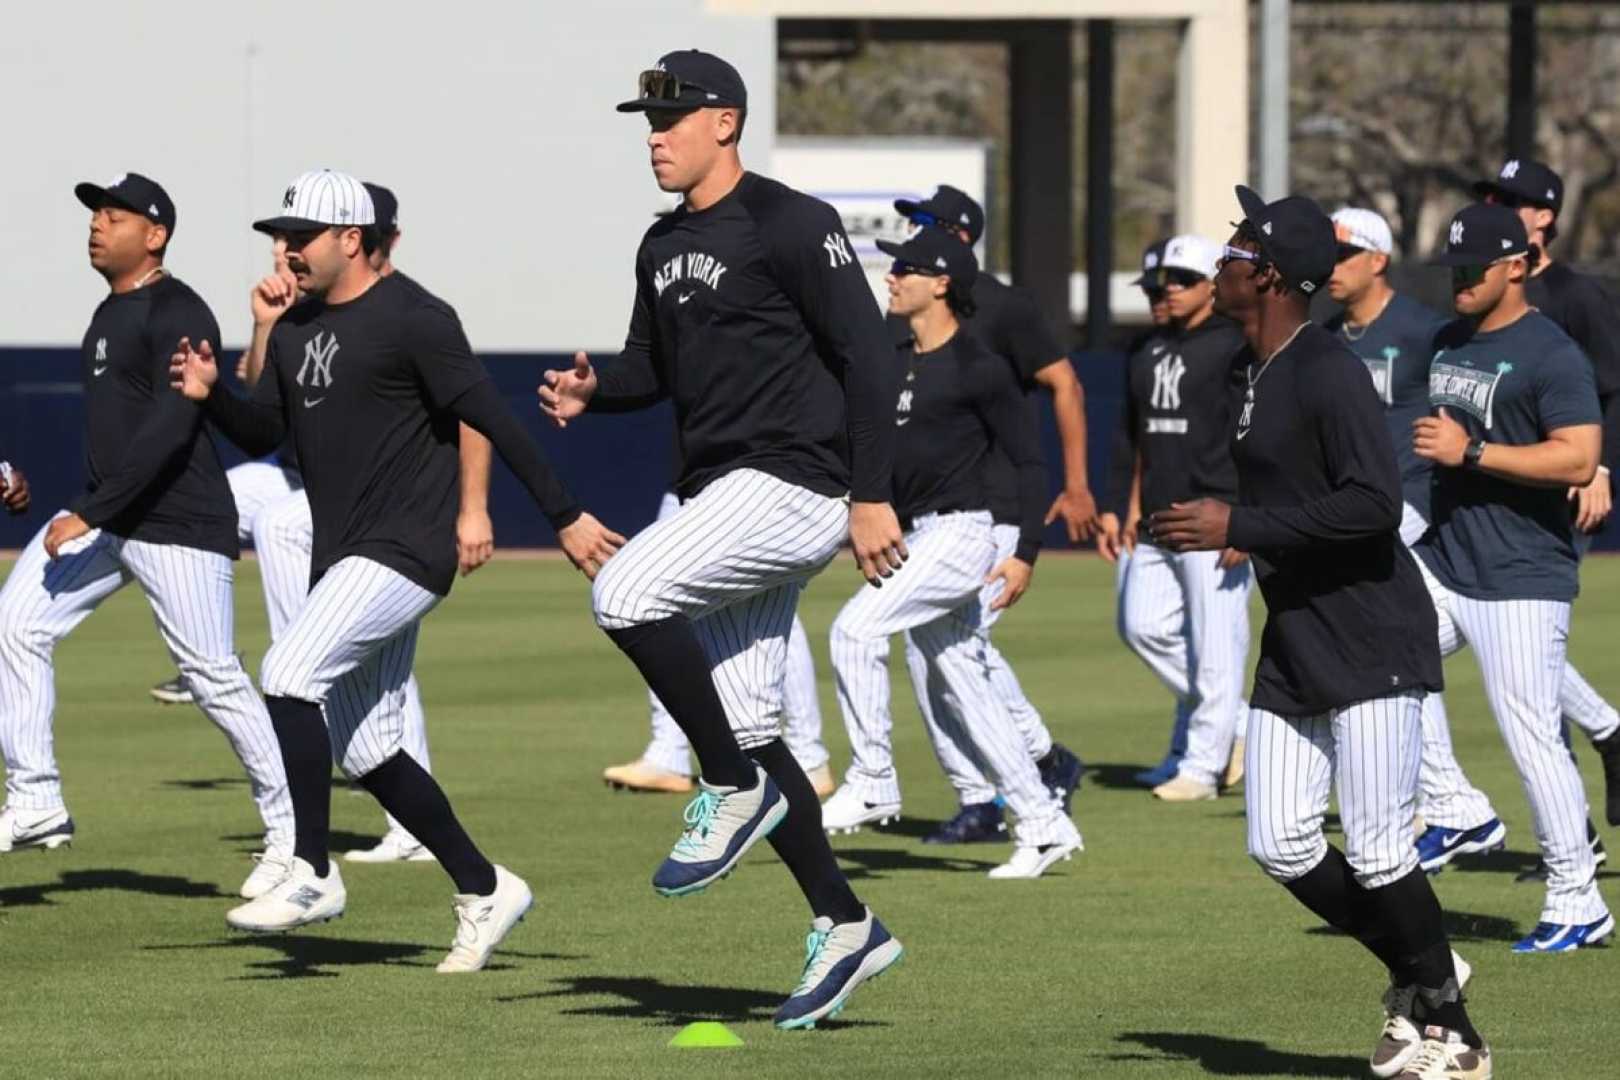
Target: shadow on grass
<point>307,956</point>
<point>1107,775</point>
<point>110,879</point>
<point>668,1004</point>
<point>1460,926</point>
<point>1221,1056</point>
<point>218,783</point>
<point>337,840</point>
<point>874,863</point>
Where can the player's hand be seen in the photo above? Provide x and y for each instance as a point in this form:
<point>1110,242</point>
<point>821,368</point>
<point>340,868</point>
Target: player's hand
<point>565,393</point>
<point>874,534</point>
<point>1017,574</point>
<point>193,371</point>
<point>1231,559</point>
<point>1593,502</point>
<point>15,492</point>
<point>475,540</point>
<point>273,295</point>
<point>1439,439</point>
<point>1078,510</point>
<point>1199,525</point>
<point>1130,532</point>
<point>1108,536</point>
<point>62,530</point>
<point>589,544</point>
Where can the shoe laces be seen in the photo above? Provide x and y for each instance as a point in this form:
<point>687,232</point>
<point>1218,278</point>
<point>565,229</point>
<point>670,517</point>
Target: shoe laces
<point>466,925</point>
<point>1432,1059</point>
<point>699,816</point>
<point>814,945</point>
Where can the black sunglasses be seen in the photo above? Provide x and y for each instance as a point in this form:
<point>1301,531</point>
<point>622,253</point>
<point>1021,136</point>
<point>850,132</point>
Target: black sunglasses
<point>662,86</point>
<point>1182,278</point>
<point>900,268</point>
<point>1349,251</point>
<point>1507,199</point>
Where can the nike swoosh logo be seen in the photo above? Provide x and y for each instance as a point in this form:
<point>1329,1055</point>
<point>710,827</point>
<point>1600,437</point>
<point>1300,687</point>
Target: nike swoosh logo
<point>310,404</point>
<point>1242,433</point>
<point>902,422</point>
<point>98,371</point>
<point>685,298</point>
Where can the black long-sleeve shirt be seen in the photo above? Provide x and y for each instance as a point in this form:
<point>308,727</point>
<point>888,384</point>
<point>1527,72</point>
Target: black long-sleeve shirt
<point>373,390</point>
<point>1319,491</point>
<point>754,318</point>
<point>957,405</point>
<point>1181,396</point>
<point>1585,311</point>
<point>153,474</point>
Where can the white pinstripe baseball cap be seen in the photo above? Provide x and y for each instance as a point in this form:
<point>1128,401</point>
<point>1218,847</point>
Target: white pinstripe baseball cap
<point>1363,229</point>
<point>320,198</point>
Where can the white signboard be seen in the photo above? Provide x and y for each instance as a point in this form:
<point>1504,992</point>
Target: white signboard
<point>863,177</point>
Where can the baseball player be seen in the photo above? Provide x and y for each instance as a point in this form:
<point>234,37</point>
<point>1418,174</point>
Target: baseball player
<point>956,400</point>
<point>1394,334</point>
<point>371,374</point>
<point>1517,419</point>
<point>752,315</point>
<point>283,530</point>
<point>156,511</point>
<point>1584,310</point>
<point>1186,614</point>
<point>1114,540</point>
<point>1008,323</point>
<point>666,764</point>
<point>1348,649</point>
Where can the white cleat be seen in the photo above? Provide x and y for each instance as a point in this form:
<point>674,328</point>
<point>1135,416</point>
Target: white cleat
<point>1401,1039</point>
<point>483,921</point>
<point>273,865</point>
<point>397,845</point>
<point>44,829</point>
<point>846,811</point>
<point>1031,861</point>
<point>298,899</point>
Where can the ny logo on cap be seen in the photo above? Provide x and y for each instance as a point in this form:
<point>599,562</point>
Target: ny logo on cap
<point>288,196</point>
<point>1510,170</point>
<point>1456,233</point>
<point>119,179</point>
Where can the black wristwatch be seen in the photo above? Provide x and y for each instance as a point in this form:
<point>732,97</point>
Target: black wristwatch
<point>1472,452</point>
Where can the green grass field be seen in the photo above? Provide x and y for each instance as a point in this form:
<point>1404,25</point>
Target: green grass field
<point>1162,951</point>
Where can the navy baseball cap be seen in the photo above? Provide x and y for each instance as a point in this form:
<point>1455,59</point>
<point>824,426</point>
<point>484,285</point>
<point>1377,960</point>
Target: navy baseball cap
<point>1295,236</point>
<point>133,192</point>
<point>1522,180</point>
<point>385,206</point>
<point>688,79</point>
<point>946,206</point>
<point>1153,265</point>
<point>935,251</point>
<point>1481,234</point>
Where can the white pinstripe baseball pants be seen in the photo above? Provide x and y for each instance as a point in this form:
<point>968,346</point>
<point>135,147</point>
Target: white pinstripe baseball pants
<point>189,591</point>
<point>1520,646</point>
<point>936,597</point>
<point>1370,752</point>
<point>971,785</point>
<point>350,649</point>
<point>801,708</point>
<point>733,560</point>
<point>1188,620</point>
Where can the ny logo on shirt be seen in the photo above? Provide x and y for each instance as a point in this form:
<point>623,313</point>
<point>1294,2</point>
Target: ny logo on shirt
<point>101,356</point>
<point>1167,375</point>
<point>316,371</point>
<point>837,248</point>
<point>903,409</point>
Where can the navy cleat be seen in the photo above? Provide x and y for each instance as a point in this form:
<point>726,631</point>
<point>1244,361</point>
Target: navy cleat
<point>721,825</point>
<point>978,823</point>
<point>837,960</point>
<point>1565,937</point>
<point>1540,871</point>
<point>1438,845</point>
<point>1061,770</point>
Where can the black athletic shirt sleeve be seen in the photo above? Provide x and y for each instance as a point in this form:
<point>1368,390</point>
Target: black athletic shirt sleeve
<point>169,426</point>
<point>258,423</point>
<point>1020,333</point>
<point>1365,499</point>
<point>834,300</point>
<point>1001,404</point>
<point>633,381</point>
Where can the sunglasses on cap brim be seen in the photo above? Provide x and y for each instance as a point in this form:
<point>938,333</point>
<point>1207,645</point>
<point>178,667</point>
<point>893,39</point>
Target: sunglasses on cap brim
<point>1350,251</point>
<point>900,268</point>
<point>662,86</point>
<point>1182,278</point>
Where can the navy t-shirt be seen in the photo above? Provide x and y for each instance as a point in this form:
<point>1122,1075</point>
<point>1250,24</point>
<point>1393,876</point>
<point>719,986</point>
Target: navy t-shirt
<point>1397,347</point>
<point>1494,539</point>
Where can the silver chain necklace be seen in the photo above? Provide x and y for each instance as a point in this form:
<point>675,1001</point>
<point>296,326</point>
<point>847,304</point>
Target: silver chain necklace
<point>1344,328</point>
<point>1249,372</point>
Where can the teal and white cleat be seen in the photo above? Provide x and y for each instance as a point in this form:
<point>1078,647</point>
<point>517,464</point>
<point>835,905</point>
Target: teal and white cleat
<point>838,959</point>
<point>722,823</point>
